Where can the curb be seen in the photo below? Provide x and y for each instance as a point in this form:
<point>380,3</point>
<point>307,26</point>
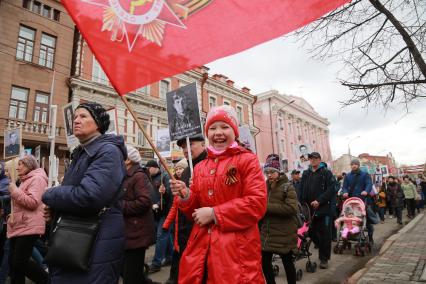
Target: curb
<point>386,245</point>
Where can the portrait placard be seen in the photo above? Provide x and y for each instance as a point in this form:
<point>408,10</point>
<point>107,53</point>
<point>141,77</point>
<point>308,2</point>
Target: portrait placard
<point>12,143</point>
<point>163,142</point>
<point>113,124</point>
<point>183,112</point>
<point>68,112</point>
<point>246,138</point>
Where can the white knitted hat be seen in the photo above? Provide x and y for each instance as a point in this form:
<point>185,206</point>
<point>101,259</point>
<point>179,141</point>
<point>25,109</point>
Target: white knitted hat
<point>133,154</point>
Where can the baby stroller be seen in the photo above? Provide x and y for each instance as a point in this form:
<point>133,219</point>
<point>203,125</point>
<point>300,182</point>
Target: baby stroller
<point>355,206</point>
<point>303,244</point>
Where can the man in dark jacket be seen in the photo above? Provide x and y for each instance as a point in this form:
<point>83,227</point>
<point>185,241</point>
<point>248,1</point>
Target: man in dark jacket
<point>295,181</point>
<point>162,200</point>
<point>198,153</point>
<point>318,191</point>
<point>359,184</point>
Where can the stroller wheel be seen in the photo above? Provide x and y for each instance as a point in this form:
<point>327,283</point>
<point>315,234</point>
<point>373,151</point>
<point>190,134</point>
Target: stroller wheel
<point>299,274</point>
<point>367,248</point>
<point>336,250</point>
<point>315,266</point>
<point>276,270</point>
<point>309,267</point>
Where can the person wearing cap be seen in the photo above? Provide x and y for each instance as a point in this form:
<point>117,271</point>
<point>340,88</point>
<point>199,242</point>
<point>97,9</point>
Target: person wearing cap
<point>226,200</point>
<point>92,182</point>
<point>162,200</point>
<point>358,183</point>
<point>295,181</point>
<point>184,225</point>
<point>138,218</point>
<point>278,233</point>
<point>318,191</point>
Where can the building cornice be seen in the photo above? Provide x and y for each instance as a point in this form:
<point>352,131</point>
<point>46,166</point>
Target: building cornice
<point>273,94</point>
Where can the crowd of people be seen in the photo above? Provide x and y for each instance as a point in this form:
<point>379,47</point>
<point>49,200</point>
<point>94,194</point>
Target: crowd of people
<point>226,219</point>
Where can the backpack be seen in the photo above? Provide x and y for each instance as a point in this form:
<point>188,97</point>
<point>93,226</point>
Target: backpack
<point>299,217</point>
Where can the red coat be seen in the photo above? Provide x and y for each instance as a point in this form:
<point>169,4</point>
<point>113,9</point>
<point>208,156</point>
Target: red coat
<point>231,247</point>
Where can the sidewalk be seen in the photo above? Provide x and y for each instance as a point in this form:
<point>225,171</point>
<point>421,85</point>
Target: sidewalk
<point>402,258</point>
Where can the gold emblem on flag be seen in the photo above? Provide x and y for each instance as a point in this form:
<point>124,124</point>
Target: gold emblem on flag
<point>146,18</point>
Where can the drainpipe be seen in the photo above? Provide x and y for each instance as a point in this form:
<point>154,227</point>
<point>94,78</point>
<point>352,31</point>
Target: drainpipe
<point>272,133</point>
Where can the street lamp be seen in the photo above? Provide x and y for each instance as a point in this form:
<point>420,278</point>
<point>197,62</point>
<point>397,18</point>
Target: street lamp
<point>276,129</point>
<point>349,142</point>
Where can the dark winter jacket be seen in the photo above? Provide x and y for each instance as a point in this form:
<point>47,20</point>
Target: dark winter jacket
<point>4,194</point>
<point>279,226</point>
<point>137,209</point>
<point>319,185</point>
<point>356,182</point>
<point>166,202</point>
<point>93,182</point>
<point>395,194</point>
<point>298,187</point>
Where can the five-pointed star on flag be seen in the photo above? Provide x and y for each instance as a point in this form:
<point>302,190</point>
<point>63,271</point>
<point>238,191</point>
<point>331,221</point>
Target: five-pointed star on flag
<point>120,21</point>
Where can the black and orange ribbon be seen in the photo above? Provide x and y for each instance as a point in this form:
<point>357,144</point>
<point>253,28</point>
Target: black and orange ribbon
<point>231,176</point>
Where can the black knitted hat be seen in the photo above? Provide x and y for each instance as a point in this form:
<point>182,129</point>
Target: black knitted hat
<point>98,113</point>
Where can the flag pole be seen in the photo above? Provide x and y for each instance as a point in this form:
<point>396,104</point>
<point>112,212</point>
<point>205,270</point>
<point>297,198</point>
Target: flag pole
<point>148,138</point>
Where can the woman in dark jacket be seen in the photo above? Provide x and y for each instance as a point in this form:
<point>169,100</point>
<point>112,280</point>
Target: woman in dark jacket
<point>279,226</point>
<point>138,219</point>
<point>93,182</point>
<point>396,197</point>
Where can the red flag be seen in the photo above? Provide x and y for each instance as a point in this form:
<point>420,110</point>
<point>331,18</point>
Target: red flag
<point>138,42</point>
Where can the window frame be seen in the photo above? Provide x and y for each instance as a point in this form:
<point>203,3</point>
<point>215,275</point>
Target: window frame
<point>48,51</point>
<point>41,105</point>
<point>18,103</point>
<point>238,106</point>
<point>226,102</point>
<point>160,93</point>
<point>24,41</point>
<point>101,76</point>
<point>215,101</point>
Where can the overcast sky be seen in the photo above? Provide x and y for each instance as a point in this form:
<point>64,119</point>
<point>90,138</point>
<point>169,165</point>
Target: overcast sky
<point>285,66</point>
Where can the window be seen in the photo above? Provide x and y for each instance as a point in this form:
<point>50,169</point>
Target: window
<point>212,101</point>
<point>18,103</point>
<point>24,50</point>
<point>26,4</point>
<point>289,127</point>
<point>41,107</point>
<point>46,11</point>
<point>282,146</point>
<point>47,50</point>
<point>98,75</point>
<point>164,88</point>
<point>144,90</point>
<point>240,113</point>
<point>280,123</point>
<point>226,103</point>
<point>141,140</point>
<point>56,15</point>
<point>36,7</point>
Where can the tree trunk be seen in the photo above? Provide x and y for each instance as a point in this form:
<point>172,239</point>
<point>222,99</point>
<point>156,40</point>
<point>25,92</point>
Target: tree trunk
<point>405,36</point>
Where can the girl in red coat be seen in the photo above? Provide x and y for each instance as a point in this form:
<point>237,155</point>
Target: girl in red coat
<point>226,200</point>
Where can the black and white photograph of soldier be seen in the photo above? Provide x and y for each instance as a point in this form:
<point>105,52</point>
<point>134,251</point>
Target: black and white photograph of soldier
<point>183,113</point>
<point>68,118</point>
<point>304,150</point>
<point>12,142</point>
